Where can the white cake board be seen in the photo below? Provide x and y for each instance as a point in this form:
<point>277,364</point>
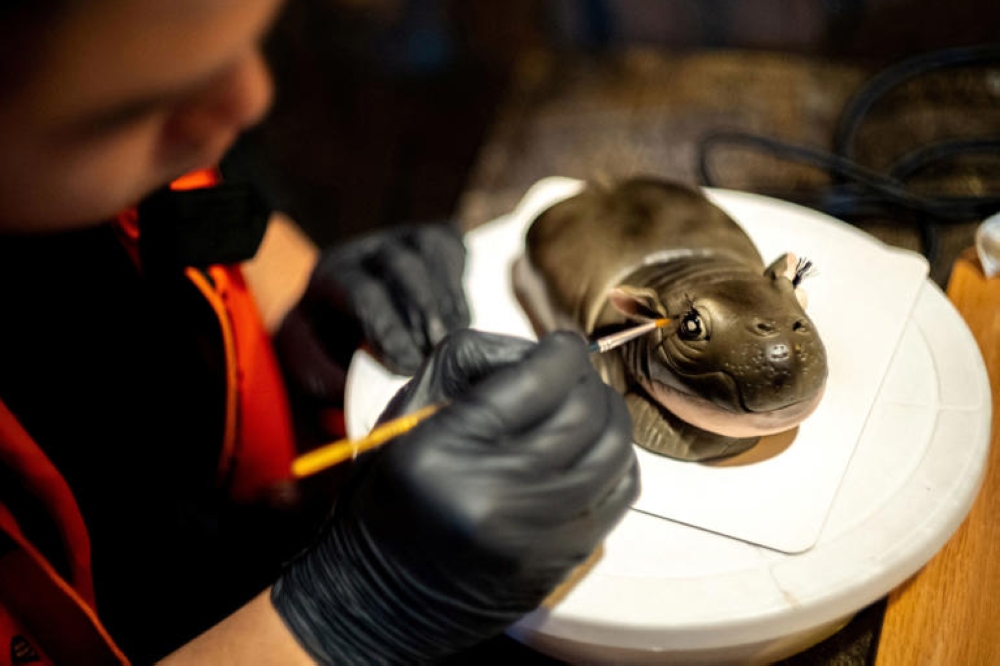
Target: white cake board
<point>667,592</point>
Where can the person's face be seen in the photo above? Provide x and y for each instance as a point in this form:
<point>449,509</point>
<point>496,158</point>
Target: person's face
<point>127,96</point>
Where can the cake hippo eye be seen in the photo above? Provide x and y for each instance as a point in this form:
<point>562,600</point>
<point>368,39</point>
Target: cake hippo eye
<point>691,327</point>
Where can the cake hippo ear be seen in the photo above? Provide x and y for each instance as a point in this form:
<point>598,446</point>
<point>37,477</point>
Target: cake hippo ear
<point>795,269</point>
<point>641,303</point>
<point>783,266</point>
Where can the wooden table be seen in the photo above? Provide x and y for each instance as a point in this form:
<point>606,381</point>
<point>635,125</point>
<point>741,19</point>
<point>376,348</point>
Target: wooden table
<point>949,613</point>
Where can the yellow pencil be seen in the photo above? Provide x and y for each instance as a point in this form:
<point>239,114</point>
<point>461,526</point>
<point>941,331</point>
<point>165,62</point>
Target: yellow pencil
<point>348,449</point>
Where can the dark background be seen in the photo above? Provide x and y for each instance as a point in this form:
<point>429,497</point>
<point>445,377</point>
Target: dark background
<point>382,106</point>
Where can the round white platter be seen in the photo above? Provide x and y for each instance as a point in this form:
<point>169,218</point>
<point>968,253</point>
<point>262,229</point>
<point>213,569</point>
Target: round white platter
<point>665,592</point>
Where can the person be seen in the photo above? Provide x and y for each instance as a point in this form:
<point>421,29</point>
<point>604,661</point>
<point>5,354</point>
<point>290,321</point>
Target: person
<point>151,373</point>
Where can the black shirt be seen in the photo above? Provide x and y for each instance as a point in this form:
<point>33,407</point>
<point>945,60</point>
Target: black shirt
<point>120,381</point>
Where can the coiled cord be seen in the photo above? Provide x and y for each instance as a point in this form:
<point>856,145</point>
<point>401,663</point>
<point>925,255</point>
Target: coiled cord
<point>858,191</point>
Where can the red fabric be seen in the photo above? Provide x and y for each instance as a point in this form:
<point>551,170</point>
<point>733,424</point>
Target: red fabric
<point>20,454</point>
<point>34,599</point>
<point>19,643</point>
<point>259,443</point>
<point>40,608</point>
<point>261,452</point>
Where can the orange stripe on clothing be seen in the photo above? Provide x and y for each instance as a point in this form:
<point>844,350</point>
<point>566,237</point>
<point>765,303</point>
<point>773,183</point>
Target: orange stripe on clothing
<point>263,443</point>
<point>197,180</point>
<point>232,378</point>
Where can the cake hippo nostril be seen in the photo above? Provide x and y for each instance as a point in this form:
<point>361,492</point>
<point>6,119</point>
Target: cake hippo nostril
<point>764,327</point>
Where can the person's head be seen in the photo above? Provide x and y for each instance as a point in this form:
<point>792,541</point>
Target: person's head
<point>107,100</point>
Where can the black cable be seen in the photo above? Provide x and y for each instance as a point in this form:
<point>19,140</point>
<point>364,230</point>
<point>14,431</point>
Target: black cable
<point>940,151</point>
<point>859,191</point>
<point>895,75</point>
<point>877,186</point>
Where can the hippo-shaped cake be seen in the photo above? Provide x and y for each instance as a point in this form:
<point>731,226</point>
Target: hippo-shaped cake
<point>740,358</point>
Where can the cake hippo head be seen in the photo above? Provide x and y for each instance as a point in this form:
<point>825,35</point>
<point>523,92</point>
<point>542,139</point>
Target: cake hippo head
<point>740,359</point>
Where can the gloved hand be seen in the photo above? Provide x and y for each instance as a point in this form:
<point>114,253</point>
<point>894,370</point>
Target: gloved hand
<point>398,290</point>
<point>450,533</point>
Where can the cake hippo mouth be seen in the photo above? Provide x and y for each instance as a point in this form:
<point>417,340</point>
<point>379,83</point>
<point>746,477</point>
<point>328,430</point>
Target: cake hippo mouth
<point>709,416</point>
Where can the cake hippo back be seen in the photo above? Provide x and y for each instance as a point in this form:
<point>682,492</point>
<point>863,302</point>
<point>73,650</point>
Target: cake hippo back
<point>740,359</point>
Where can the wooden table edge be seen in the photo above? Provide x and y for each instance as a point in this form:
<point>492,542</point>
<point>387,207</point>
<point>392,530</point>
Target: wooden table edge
<point>949,612</point>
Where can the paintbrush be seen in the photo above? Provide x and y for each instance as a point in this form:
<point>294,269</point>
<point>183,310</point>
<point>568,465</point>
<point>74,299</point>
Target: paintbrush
<point>347,449</point>
<point>609,342</point>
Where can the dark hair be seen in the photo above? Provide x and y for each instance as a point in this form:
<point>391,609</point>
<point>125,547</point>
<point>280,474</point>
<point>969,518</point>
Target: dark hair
<point>24,27</point>
<point>37,10</point>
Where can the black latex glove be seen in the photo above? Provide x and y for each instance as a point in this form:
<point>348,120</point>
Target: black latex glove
<point>450,533</point>
<point>399,291</point>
